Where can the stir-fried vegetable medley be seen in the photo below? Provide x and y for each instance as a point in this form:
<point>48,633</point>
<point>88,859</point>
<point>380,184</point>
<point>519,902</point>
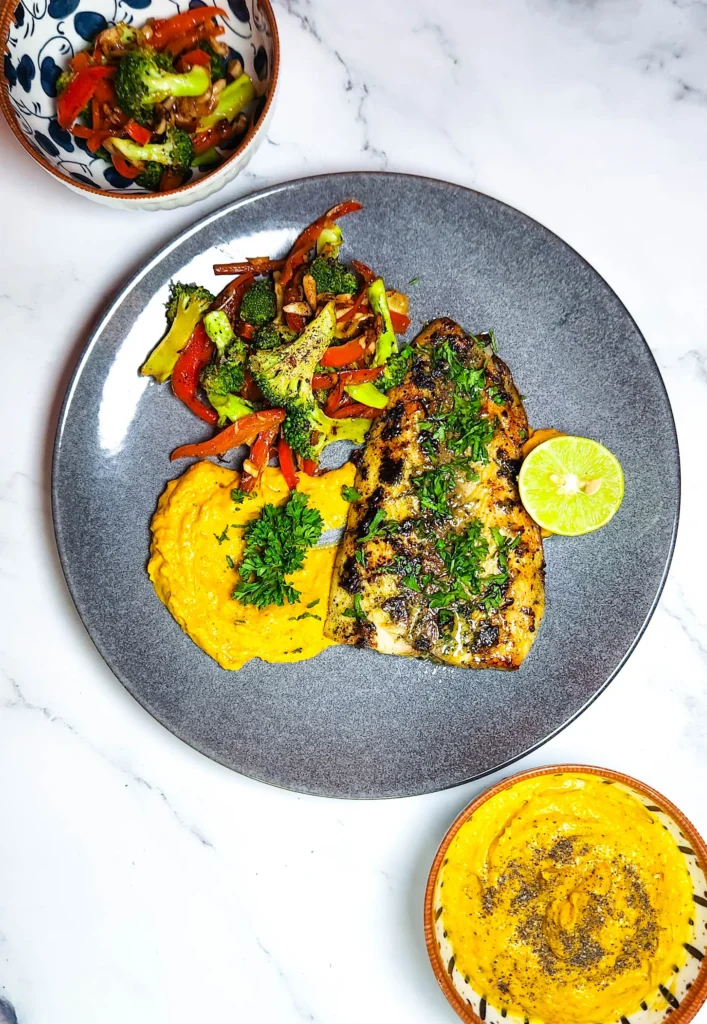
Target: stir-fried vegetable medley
<point>294,353</point>
<point>157,100</point>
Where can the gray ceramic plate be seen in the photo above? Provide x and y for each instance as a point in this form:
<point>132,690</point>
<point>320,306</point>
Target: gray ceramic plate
<point>354,723</point>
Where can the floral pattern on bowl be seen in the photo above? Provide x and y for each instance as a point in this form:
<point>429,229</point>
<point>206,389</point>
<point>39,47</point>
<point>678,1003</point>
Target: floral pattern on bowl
<point>42,37</point>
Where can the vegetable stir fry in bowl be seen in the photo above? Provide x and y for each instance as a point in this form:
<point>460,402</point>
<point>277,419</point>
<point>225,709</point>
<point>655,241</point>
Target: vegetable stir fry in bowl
<point>149,111</point>
<point>159,99</point>
<point>294,353</point>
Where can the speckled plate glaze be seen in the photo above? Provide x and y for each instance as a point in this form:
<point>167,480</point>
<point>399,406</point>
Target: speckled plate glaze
<point>353,723</point>
<point>678,1000</point>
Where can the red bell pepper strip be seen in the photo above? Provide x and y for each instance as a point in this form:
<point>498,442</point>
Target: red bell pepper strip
<point>137,133</point>
<point>97,139</point>
<point>78,93</point>
<point>366,273</point>
<point>193,57</point>
<point>165,29</point>
<point>342,355</point>
<point>287,463</point>
<point>189,39</point>
<point>256,265</point>
<point>324,380</point>
<point>310,467</point>
<point>399,321</point>
<point>259,456</point>
<point>185,375</point>
<point>81,131</point>
<point>356,409</point>
<point>250,390</point>
<point>245,330</point>
<point>81,61</point>
<point>335,398</point>
<point>105,92</point>
<point>293,262</point>
<point>361,376</point>
<point>242,431</point>
<point>125,169</point>
<point>307,238</point>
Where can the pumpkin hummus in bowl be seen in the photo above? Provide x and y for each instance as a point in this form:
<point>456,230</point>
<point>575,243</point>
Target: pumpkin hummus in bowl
<point>570,895</point>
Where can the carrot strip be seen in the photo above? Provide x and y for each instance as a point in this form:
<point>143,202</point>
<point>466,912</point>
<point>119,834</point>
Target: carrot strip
<point>257,265</point>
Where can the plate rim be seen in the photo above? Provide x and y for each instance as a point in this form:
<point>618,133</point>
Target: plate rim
<point>126,289</point>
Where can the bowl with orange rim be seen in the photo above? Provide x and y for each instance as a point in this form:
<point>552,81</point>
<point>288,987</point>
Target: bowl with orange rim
<point>570,895</point>
<point>40,37</point>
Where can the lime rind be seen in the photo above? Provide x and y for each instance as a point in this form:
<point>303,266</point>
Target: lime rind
<point>553,479</point>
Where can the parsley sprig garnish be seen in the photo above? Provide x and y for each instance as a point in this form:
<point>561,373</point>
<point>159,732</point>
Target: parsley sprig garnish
<point>275,547</point>
<point>350,493</point>
<point>379,526</point>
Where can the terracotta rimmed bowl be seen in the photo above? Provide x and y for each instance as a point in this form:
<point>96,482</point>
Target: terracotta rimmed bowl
<point>690,982</point>
<point>39,38</point>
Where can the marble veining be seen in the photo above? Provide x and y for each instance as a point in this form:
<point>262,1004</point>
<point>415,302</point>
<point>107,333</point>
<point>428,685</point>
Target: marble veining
<point>139,881</point>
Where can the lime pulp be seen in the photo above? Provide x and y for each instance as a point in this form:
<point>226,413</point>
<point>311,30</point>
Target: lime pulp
<point>571,485</point>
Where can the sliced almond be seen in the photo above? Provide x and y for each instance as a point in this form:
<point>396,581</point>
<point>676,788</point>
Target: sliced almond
<point>299,308</point>
<point>398,302</point>
<point>310,289</point>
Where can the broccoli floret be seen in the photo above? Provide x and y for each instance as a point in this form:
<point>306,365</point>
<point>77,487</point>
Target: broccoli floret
<point>368,394</point>
<point>219,64</point>
<point>284,374</point>
<point>395,369</point>
<point>183,296</point>
<point>149,178</point>
<point>223,381</point>
<point>176,150</point>
<point>332,277</point>
<point>163,60</point>
<point>140,83</point>
<point>62,81</point>
<point>222,378</point>
<point>232,100</point>
<point>273,336</point>
<point>386,343</point>
<point>329,241</point>
<point>305,418</point>
<point>208,158</point>
<point>218,327</point>
<point>259,304</point>
<point>186,305</point>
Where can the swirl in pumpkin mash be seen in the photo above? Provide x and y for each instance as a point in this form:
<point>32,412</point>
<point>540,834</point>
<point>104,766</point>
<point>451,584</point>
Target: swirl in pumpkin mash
<point>197,548</point>
<point>566,901</point>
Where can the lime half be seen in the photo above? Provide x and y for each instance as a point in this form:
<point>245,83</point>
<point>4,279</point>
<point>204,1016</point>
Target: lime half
<point>571,485</point>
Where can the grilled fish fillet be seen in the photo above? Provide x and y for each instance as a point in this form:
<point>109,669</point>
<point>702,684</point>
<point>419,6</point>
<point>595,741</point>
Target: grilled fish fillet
<point>440,559</point>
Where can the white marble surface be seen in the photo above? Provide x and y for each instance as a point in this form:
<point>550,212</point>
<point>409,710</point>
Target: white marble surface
<point>140,882</point>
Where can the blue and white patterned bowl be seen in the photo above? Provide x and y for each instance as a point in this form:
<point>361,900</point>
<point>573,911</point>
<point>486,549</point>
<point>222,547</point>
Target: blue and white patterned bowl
<point>42,35</point>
